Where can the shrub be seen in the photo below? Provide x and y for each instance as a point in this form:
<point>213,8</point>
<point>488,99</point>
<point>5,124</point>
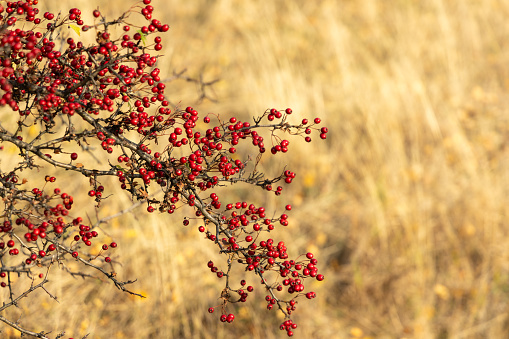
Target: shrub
<point>109,94</point>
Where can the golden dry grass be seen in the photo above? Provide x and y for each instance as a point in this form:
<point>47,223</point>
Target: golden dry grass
<point>405,205</point>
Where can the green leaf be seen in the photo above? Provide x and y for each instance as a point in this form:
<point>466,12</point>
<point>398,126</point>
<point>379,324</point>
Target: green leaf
<point>119,168</point>
<point>76,29</point>
<point>143,37</point>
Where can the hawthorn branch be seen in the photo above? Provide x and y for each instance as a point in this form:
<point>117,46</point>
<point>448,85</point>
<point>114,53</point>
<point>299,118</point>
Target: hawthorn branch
<point>119,284</point>
<point>41,335</point>
<point>6,136</point>
<point>25,294</point>
<point>124,211</point>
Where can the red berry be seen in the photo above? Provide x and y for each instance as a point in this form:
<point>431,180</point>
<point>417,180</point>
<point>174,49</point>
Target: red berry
<point>74,156</point>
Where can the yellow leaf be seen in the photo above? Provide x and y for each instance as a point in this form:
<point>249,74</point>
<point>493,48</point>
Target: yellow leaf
<point>11,149</point>
<point>76,29</point>
<point>96,249</point>
<point>98,303</point>
<point>131,233</point>
<point>33,131</point>
<point>243,311</point>
<point>85,323</point>
<point>442,291</point>
<point>356,332</point>
<point>321,238</point>
<point>309,180</point>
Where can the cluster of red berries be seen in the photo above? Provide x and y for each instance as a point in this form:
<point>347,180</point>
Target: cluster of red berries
<point>19,8</point>
<point>97,192</point>
<point>227,318</point>
<point>53,224</point>
<point>262,256</point>
<point>111,94</point>
<point>288,325</point>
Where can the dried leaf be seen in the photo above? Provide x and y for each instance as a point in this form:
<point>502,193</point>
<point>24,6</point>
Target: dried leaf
<point>143,193</point>
<point>79,165</point>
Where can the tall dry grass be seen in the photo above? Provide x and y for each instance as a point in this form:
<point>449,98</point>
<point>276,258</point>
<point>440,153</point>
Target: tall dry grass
<point>405,205</point>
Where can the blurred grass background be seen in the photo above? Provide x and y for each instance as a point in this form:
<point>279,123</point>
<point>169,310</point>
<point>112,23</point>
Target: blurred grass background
<point>405,205</point>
